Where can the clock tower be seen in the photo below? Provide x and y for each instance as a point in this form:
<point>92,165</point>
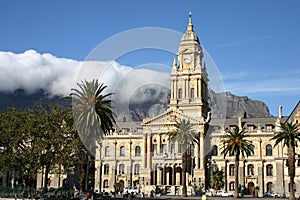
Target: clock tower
<point>189,77</point>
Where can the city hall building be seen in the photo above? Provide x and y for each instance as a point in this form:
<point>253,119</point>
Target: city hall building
<point>140,154</point>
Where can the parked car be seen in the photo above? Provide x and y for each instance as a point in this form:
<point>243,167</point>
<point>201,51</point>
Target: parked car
<point>129,190</point>
<point>222,193</point>
<point>269,194</point>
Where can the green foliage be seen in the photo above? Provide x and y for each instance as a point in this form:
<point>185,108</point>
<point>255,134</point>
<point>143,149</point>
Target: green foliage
<point>92,110</point>
<point>186,136</point>
<point>235,143</point>
<point>217,178</point>
<point>289,135</point>
<point>40,137</point>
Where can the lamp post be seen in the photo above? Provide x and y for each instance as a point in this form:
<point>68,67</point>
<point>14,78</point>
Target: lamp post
<point>210,164</point>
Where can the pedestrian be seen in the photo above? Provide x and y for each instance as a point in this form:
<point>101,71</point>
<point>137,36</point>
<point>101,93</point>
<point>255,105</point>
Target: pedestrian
<point>203,196</point>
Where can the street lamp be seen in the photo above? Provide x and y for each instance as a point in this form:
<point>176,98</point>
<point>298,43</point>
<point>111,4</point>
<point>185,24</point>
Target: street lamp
<point>210,164</point>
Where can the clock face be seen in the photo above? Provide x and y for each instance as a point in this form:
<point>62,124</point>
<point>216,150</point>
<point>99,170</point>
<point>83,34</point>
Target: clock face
<point>187,59</point>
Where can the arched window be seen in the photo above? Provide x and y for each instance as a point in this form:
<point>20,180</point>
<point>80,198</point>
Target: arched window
<point>179,93</point>
<point>137,151</point>
<point>192,93</point>
<point>106,169</point>
<point>121,169</point>
<point>136,169</point>
<point>269,187</point>
<point>105,183</point>
<point>269,150</point>
<point>250,170</point>
<point>107,149</point>
<point>269,169</point>
<point>214,151</point>
<point>122,151</point>
<point>231,170</point>
<point>231,186</point>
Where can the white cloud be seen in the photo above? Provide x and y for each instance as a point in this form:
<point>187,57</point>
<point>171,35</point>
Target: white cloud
<point>32,71</point>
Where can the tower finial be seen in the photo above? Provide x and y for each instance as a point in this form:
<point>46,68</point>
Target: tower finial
<point>174,62</point>
<point>190,25</point>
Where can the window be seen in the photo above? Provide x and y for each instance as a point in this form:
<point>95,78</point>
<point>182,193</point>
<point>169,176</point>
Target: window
<point>121,169</point>
<point>122,151</point>
<point>231,186</point>
<point>269,150</point>
<point>269,187</point>
<point>269,128</point>
<point>231,170</point>
<point>105,183</point>
<point>172,148</point>
<point>107,149</point>
<point>192,93</point>
<point>269,170</point>
<point>251,152</point>
<point>214,151</point>
<point>137,151</point>
<point>250,170</point>
<point>179,93</point>
<point>155,148</point>
<point>136,169</point>
<point>106,169</point>
<point>251,128</point>
<point>164,148</point>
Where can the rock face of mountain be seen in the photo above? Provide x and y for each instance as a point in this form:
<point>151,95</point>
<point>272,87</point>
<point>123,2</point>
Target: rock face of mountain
<point>151,101</point>
<point>228,105</point>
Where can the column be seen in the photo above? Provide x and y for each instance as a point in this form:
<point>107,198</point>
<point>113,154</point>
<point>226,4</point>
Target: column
<point>159,176</point>
<point>168,176</point>
<point>184,89</point>
<point>174,175</point>
<point>159,145</point>
<point>149,151</point>
<point>202,158</point>
<point>197,154</point>
<point>145,151</point>
<point>178,175</point>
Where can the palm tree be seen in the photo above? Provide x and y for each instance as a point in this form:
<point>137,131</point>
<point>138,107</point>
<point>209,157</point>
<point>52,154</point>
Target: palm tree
<point>236,144</point>
<point>93,117</point>
<point>92,109</point>
<point>185,136</point>
<point>290,136</point>
<point>217,178</point>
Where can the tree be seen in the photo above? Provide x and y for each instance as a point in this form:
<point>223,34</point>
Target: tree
<point>217,178</point>
<point>185,136</point>
<point>41,137</point>
<point>92,110</point>
<point>289,136</point>
<point>93,115</point>
<point>236,144</point>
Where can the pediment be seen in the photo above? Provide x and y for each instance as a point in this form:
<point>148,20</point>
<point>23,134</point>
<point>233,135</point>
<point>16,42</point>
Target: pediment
<point>170,117</point>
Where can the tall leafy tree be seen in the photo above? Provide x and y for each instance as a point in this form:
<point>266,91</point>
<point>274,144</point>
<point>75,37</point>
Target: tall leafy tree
<point>217,178</point>
<point>185,136</point>
<point>289,136</point>
<point>93,116</point>
<point>236,144</point>
<point>37,138</point>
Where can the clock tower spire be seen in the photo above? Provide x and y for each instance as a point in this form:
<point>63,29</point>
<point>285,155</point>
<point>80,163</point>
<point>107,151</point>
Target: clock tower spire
<point>189,78</point>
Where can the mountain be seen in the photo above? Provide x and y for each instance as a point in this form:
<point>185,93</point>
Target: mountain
<point>150,101</point>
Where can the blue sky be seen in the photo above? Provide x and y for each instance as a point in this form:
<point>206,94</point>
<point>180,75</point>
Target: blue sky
<point>255,44</point>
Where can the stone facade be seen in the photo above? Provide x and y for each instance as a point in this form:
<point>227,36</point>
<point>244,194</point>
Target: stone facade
<point>140,154</point>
